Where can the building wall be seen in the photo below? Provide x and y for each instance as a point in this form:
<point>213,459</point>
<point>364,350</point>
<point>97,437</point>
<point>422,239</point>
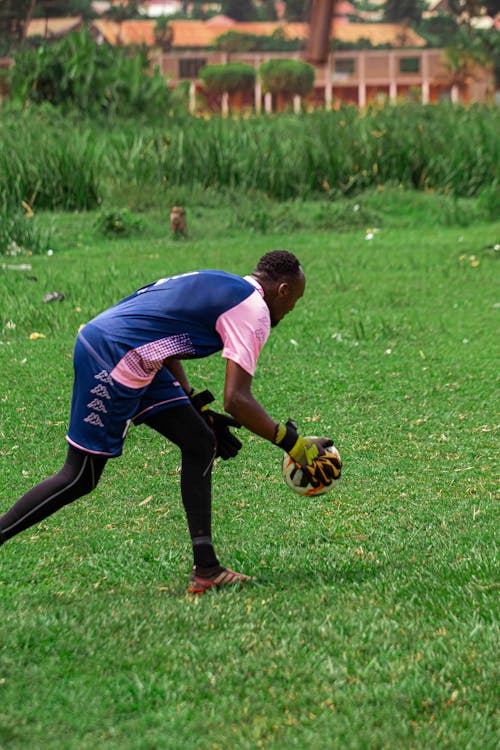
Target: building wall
<point>360,77</point>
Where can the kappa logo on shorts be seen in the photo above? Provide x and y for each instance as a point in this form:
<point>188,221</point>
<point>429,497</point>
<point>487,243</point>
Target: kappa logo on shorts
<point>102,391</point>
<point>94,419</point>
<point>98,405</point>
<point>103,376</point>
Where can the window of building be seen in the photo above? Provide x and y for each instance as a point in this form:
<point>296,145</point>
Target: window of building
<point>189,67</point>
<point>345,66</point>
<point>409,64</point>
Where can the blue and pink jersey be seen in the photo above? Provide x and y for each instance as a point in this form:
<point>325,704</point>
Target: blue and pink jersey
<point>119,355</point>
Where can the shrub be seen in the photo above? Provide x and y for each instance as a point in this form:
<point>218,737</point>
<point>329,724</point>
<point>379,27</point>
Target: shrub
<point>76,73</point>
<point>289,77</point>
<point>20,235</point>
<point>231,77</point>
<point>119,223</point>
<point>236,41</point>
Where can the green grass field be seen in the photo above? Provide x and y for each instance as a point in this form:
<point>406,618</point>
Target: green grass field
<point>372,623</point>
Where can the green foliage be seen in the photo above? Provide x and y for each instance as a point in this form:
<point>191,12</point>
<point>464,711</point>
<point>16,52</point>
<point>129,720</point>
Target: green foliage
<point>361,43</point>
<point>404,10</point>
<point>64,8</point>
<point>239,10</point>
<point>76,73</point>
<point>230,77</point>
<point>287,77</point>
<point>236,41</point>
<point>20,234</point>
<point>438,31</point>
<point>48,161</point>
<point>54,161</point>
<point>124,11</point>
<point>14,16</point>
<point>164,33</point>
<point>119,223</point>
<point>297,10</point>
<point>489,39</point>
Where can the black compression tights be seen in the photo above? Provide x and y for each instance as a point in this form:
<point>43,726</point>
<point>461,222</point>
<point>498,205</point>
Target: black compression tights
<point>82,471</point>
<point>79,476</point>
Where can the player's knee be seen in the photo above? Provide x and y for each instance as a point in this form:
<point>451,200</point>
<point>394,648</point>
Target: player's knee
<point>82,473</point>
<point>208,444</point>
<point>203,446</point>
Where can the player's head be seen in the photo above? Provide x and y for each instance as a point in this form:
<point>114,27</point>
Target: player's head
<point>283,281</point>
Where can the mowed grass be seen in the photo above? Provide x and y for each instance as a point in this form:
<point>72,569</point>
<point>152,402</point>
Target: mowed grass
<point>372,623</point>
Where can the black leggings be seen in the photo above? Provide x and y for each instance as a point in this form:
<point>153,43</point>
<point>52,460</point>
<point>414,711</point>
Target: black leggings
<point>82,471</point>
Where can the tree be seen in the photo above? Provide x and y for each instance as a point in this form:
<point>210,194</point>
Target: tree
<point>15,16</point>
<point>297,10</point>
<point>236,41</point>
<point>492,8</point>
<point>465,55</point>
<point>490,39</point>
<point>76,74</point>
<point>62,8</point>
<point>164,34</point>
<point>404,10</point>
<point>440,30</point>
<point>229,78</point>
<point>120,13</point>
<point>239,10</point>
<point>286,78</point>
<point>267,11</point>
<point>466,10</point>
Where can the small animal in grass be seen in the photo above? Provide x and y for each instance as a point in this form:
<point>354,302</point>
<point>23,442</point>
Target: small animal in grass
<point>178,225</point>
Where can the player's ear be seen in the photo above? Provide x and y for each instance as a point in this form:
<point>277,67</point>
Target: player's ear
<point>283,289</point>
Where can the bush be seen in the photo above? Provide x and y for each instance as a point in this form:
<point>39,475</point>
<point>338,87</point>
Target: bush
<point>231,77</point>
<point>20,235</point>
<point>289,77</point>
<point>76,73</point>
<point>236,41</point>
<point>119,223</point>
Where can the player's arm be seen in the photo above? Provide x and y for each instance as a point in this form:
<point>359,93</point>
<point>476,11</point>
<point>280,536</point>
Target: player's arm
<point>240,403</point>
<point>175,367</point>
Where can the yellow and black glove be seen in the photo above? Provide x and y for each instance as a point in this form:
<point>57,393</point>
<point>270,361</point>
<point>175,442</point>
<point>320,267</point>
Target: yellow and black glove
<point>228,444</point>
<point>309,453</point>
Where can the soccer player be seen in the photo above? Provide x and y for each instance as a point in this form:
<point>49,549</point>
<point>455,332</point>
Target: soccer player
<point>128,370</point>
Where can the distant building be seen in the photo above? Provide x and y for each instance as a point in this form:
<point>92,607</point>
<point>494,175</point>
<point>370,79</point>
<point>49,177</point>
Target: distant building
<point>158,8</point>
<point>406,70</point>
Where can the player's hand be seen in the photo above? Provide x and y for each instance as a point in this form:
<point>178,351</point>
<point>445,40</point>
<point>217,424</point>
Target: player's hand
<point>324,470</point>
<point>303,450</point>
<point>228,444</point>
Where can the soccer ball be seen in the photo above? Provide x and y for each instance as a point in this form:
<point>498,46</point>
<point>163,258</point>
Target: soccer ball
<point>296,479</point>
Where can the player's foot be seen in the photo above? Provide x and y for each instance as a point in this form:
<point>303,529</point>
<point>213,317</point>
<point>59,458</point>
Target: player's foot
<point>205,579</point>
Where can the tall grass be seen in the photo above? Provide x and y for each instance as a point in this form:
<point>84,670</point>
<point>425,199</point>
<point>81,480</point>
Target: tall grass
<point>61,164</point>
<point>48,161</point>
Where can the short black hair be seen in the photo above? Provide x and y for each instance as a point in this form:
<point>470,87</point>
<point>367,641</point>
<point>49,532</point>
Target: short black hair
<point>278,264</point>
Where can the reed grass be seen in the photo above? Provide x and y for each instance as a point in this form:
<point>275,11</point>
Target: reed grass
<point>67,164</point>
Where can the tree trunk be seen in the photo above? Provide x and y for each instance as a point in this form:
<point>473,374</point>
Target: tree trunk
<point>28,17</point>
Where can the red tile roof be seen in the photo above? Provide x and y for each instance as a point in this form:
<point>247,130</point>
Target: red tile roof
<point>50,27</point>
<point>199,34</point>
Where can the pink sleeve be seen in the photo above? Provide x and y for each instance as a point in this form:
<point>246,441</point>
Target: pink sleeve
<point>244,330</point>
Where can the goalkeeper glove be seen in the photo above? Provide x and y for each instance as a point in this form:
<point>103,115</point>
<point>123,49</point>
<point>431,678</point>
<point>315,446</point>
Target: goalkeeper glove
<point>302,450</point>
<point>309,453</point>
<point>323,470</point>
<point>228,444</point>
